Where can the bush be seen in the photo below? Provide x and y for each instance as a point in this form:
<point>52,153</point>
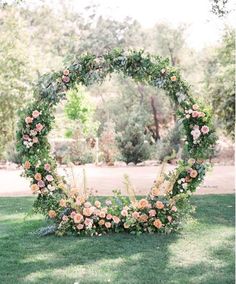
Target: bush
<point>11,154</point>
<point>169,143</point>
<point>133,143</point>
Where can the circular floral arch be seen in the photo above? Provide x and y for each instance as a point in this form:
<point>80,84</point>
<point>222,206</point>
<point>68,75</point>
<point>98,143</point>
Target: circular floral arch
<point>70,209</point>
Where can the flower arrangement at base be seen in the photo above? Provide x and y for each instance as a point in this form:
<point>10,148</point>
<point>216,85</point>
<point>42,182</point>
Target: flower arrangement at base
<point>78,213</point>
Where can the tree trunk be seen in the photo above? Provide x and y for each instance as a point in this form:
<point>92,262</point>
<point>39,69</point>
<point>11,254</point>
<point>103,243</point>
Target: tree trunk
<point>154,110</point>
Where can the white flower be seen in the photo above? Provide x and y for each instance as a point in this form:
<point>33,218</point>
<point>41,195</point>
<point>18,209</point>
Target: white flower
<point>195,133</point>
<point>180,97</point>
<point>185,185</point>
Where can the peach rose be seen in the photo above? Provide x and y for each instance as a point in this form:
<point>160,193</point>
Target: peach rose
<point>97,204</point>
<point>66,72</point>
<point>116,219</point>
<point>87,204</point>
<point>124,213</point>
<point>135,215</point>
<point>201,114</point>
<point>38,176</point>
<point>29,119</point>
<point>157,223</point>
<point>27,165</point>
<point>34,187</point>
<point>80,226</point>
<point>195,107</point>
<point>126,225</point>
<point>78,217</point>
<point>143,203</point>
<point>173,78</point>
<point>152,213</point>
<point>159,205</point>
<point>62,203</point>
<point>80,200</point>
<point>155,191</point>
<point>35,113</point>
<point>102,214</point>
<point>108,225</point>
<point>52,214</point>
<point>174,209</point>
<point>143,218</point>
<point>87,211</point>
<point>193,173</point>
<point>101,222</point>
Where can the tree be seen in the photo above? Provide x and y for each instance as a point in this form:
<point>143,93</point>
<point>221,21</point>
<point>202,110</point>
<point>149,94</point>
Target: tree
<point>15,79</point>
<point>220,84</point>
<point>132,142</point>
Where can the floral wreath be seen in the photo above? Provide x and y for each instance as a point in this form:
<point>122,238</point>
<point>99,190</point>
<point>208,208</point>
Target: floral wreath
<point>75,212</point>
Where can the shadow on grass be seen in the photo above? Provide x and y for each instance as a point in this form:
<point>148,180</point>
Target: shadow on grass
<point>118,258</point>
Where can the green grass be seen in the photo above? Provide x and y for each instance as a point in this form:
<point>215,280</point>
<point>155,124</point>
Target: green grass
<point>202,253</point>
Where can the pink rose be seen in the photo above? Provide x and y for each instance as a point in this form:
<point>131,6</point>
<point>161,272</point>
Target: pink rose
<point>77,217</point>
<point>174,209</point>
<point>80,227</point>
<point>116,219</point>
<point>28,119</point>
<point>135,215</point>
<point>35,140</point>
<point>26,137</point>
<point>107,225</point>
<point>124,213</point>
<point>169,218</point>
<point>88,222</point>
<point>65,218</point>
<point>72,214</point>
<point>39,127</point>
<point>65,79</point>
<point>205,129</point>
<point>35,113</point>
<point>47,167</point>
<point>49,178</point>
<point>195,113</point>
<point>152,213</point>
<point>109,217</point>
<point>41,183</point>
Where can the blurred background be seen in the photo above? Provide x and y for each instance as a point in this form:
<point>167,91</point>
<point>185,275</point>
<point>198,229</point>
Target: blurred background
<point>39,36</point>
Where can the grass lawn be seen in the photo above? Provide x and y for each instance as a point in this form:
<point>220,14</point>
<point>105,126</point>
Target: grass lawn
<point>202,253</point>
